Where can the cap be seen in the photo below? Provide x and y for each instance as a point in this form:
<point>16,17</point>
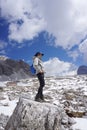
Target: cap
<point>38,53</point>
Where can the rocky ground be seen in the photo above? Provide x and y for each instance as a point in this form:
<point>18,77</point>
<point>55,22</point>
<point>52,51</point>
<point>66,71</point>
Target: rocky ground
<point>68,92</point>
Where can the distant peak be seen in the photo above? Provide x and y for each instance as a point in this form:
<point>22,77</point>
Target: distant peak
<point>3,58</point>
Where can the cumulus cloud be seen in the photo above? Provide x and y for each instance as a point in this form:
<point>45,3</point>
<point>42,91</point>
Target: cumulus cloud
<point>65,19</point>
<point>54,66</point>
<point>27,31</point>
<point>25,22</point>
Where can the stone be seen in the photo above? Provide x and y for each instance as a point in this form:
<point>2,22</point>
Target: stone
<point>32,115</point>
<point>82,70</point>
<point>69,96</point>
<point>3,121</point>
<point>78,114</point>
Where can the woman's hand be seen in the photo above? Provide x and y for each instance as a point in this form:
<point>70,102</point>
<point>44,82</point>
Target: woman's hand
<point>41,71</point>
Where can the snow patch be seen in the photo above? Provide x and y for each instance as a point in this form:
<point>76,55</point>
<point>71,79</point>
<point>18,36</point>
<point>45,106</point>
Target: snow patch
<point>7,106</point>
<point>81,124</point>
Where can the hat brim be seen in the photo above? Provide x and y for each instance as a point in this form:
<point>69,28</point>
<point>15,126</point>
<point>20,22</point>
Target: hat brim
<point>38,53</point>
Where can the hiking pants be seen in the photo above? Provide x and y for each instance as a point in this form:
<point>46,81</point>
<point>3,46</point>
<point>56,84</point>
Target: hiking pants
<point>42,83</point>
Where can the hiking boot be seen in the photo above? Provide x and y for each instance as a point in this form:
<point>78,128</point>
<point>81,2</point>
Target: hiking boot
<point>38,100</point>
<point>42,97</point>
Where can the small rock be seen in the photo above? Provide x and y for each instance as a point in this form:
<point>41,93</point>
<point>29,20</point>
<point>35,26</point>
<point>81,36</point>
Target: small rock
<point>75,113</point>
<point>5,104</point>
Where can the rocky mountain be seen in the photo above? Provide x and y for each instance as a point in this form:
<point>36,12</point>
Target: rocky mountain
<point>3,57</point>
<point>13,69</point>
<point>82,70</point>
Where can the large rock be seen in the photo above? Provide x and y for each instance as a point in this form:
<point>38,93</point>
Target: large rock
<point>31,115</point>
<point>82,70</point>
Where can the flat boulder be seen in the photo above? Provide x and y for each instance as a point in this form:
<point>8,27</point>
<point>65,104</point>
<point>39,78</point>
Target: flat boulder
<point>32,115</point>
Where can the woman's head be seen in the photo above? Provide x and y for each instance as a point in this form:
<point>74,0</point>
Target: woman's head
<point>39,54</point>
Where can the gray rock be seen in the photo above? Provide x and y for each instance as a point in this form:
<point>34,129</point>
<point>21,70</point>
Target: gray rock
<point>31,115</point>
<point>3,121</point>
<point>82,70</point>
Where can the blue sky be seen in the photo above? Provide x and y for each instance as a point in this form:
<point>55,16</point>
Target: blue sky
<point>30,26</point>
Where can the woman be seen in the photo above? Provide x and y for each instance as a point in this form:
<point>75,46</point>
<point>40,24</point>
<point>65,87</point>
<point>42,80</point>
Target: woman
<point>38,65</point>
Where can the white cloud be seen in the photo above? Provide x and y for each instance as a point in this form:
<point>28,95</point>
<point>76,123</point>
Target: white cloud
<point>83,49</point>
<point>27,31</point>
<point>65,19</point>
<point>74,54</point>
<point>56,67</point>
<point>2,52</point>
<point>15,10</point>
<point>2,45</point>
<point>25,22</point>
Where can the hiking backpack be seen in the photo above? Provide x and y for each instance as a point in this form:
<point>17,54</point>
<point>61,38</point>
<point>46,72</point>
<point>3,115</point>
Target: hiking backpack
<point>32,69</point>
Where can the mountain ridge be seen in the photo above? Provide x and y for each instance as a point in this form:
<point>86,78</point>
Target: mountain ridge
<point>82,70</point>
<point>14,69</point>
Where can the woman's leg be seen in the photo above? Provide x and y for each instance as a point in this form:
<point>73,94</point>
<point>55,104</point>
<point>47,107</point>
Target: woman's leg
<point>42,83</point>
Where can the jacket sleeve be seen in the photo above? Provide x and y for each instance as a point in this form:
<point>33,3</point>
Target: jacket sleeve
<point>36,65</point>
